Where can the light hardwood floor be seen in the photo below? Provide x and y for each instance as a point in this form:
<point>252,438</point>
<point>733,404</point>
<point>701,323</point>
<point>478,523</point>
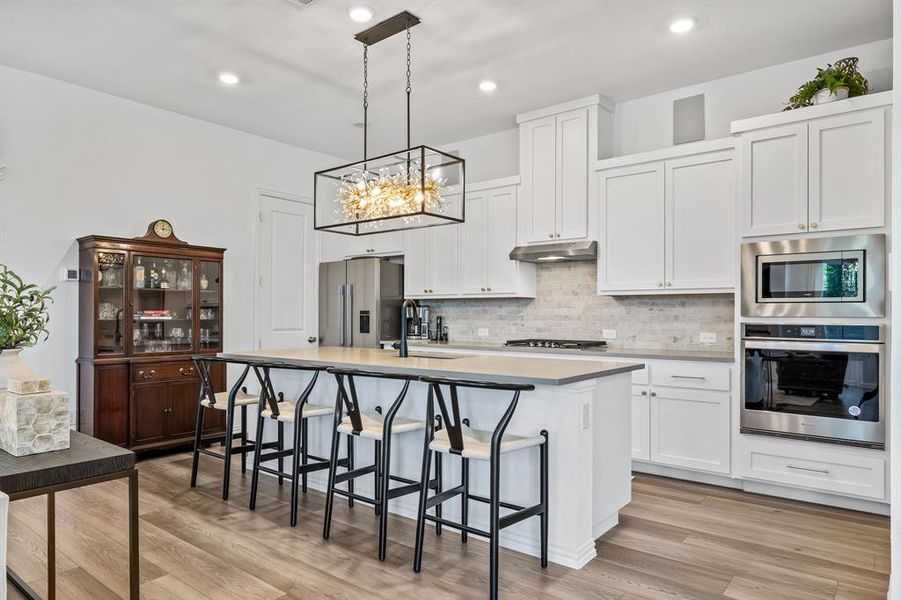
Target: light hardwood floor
<point>677,540</point>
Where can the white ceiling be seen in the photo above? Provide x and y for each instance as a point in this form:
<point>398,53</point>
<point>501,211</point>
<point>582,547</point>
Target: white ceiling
<point>301,68</point>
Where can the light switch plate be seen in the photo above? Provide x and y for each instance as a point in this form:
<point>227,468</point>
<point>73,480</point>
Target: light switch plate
<point>483,332</point>
<point>608,334</point>
<point>708,337</point>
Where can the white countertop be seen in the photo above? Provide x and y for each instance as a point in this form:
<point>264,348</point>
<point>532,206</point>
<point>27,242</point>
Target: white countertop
<point>498,369</point>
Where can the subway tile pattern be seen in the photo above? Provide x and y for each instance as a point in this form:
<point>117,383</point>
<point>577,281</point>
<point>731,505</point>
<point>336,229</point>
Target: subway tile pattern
<point>568,307</point>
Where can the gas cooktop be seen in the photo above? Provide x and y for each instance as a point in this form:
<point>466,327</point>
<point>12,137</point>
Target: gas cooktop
<point>557,344</point>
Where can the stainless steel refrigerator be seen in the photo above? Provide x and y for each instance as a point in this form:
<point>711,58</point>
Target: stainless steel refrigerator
<point>359,302</point>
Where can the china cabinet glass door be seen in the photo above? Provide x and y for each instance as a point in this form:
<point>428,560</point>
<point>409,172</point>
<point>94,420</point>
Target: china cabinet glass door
<point>210,316</point>
<point>163,299</point>
<point>110,303</point>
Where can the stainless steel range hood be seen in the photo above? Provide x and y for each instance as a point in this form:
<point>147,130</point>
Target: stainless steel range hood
<point>559,252</point>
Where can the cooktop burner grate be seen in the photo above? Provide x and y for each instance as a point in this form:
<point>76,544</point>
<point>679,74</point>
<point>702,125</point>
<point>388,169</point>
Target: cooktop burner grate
<point>561,344</point>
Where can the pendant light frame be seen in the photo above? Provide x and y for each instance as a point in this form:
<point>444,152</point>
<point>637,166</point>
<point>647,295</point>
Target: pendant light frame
<point>428,165</point>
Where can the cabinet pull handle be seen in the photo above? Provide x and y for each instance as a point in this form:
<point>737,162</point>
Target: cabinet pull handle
<point>143,376</point>
<point>700,377</point>
<point>812,470</point>
<point>186,373</point>
<point>801,226</point>
<point>813,225</point>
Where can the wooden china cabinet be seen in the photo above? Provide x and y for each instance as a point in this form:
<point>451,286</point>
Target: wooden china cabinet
<point>146,305</point>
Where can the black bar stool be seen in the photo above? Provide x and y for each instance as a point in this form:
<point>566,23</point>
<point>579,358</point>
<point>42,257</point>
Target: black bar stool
<point>457,438</point>
<point>273,407</point>
<point>236,397</point>
<point>379,428</point>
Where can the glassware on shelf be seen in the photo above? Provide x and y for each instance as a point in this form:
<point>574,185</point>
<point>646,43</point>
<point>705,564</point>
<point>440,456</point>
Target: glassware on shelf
<point>154,279</point>
<point>139,274</point>
<point>158,331</point>
<point>204,282</point>
<point>166,275</point>
<point>204,338</point>
<point>177,334</point>
<point>184,277</point>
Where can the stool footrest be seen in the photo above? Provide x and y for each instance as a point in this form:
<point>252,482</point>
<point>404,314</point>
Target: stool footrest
<point>455,525</point>
<point>502,504</point>
<point>402,479</point>
<point>275,455</point>
<point>275,472</point>
<point>342,477</point>
<point>520,515</point>
<point>410,488</point>
<point>357,497</point>
<point>443,496</point>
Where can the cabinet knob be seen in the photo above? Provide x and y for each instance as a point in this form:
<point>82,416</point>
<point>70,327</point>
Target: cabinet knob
<point>483,289</point>
<point>654,394</point>
<point>550,235</point>
<point>489,289</point>
<point>425,291</point>
<point>312,339</point>
<point>556,235</point>
<point>813,225</point>
<point>645,393</point>
<point>801,226</point>
<point>431,291</point>
<point>669,284</point>
<point>659,284</point>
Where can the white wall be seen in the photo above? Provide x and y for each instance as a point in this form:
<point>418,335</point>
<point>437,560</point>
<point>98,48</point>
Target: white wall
<point>489,156</point>
<point>894,444</point>
<point>81,162</point>
<point>646,123</point>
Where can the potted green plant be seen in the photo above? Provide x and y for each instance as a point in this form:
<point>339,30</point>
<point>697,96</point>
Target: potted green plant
<point>23,321</point>
<point>836,82</point>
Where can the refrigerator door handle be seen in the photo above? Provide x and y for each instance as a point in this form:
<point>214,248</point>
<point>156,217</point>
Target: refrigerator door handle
<point>343,323</point>
<point>349,314</point>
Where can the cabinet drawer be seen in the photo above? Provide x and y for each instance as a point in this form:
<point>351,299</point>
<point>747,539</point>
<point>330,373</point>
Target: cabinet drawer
<point>162,371</point>
<point>852,474</point>
<point>699,376</point>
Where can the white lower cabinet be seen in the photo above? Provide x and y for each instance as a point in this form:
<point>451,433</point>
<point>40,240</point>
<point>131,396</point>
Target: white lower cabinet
<point>681,415</point>
<point>847,471</point>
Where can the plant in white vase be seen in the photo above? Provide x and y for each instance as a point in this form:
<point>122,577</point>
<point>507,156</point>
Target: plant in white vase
<point>23,322</point>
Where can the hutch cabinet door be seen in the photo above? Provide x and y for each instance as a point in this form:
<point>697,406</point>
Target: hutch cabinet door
<point>847,171</point>
<point>774,180</point>
<point>163,301</point>
<point>110,310</point>
<point>111,409</point>
<point>209,315</point>
<point>184,397</point>
<point>149,407</point>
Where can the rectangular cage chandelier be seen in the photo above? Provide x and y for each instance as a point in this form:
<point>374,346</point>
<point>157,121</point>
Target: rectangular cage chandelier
<point>412,188</point>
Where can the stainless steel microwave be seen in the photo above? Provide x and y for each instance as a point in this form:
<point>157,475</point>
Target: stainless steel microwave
<point>814,277</point>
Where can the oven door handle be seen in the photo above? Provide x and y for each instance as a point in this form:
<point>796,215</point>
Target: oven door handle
<point>815,346</point>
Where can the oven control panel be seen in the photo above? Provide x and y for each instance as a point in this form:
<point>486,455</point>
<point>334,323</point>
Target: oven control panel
<point>860,333</point>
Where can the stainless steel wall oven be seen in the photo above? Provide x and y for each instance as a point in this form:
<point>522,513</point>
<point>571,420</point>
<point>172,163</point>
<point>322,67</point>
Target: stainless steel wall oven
<point>817,382</point>
<point>814,277</point>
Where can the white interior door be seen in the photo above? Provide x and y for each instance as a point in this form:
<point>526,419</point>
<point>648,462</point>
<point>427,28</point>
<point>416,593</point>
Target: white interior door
<point>286,265</point>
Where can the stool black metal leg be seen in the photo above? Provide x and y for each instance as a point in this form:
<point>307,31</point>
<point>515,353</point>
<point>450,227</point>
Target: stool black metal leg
<point>243,439</point>
<point>494,520</point>
<point>464,499</point>
<point>377,461</point>
<point>198,436</point>
<point>229,440</point>
<point>424,483</point>
<point>330,490</point>
<point>281,446</point>
<point>257,450</point>
<point>383,494</point>
<point>295,467</point>
<point>544,494</point>
<point>439,479</point>
<point>350,467</point>
<point>304,451</point>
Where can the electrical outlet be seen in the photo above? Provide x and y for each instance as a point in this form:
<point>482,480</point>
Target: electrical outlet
<point>483,332</point>
<point>708,337</point>
<point>608,334</point>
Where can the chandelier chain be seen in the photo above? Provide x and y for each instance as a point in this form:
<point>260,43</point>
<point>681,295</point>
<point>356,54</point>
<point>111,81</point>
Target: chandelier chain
<point>409,88</point>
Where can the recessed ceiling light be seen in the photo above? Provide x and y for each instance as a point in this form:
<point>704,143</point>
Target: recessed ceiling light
<point>683,25</point>
<point>488,86</point>
<point>360,14</point>
<point>229,78</point>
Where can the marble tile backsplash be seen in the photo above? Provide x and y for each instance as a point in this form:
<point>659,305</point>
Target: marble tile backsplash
<point>568,307</point>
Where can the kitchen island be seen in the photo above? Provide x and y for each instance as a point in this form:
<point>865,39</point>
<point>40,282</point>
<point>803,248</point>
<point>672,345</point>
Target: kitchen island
<point>584,406</point>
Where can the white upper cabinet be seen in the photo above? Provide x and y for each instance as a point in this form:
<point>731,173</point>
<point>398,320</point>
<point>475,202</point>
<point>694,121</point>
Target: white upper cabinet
<point>820,168</point>
<point>556,148</point>
<point>668,225</point>
<point>416,263</point>
<point>774,180</point>
<point>631,252</point>
<point>432,262</point>
<point>336,246</point>
<point>847,171</point>
<point>473,253</point>
<point>700,222</point>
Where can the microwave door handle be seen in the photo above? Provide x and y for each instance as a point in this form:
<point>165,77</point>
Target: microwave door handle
<point>342,302</point>
<point>349,314</point>
<point>803,346</point>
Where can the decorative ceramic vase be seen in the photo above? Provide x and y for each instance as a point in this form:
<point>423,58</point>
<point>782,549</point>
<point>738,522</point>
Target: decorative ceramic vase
<point>12,366</point>
<point>824,95</point>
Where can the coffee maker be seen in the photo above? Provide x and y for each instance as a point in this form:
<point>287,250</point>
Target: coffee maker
<point>418,322</point>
